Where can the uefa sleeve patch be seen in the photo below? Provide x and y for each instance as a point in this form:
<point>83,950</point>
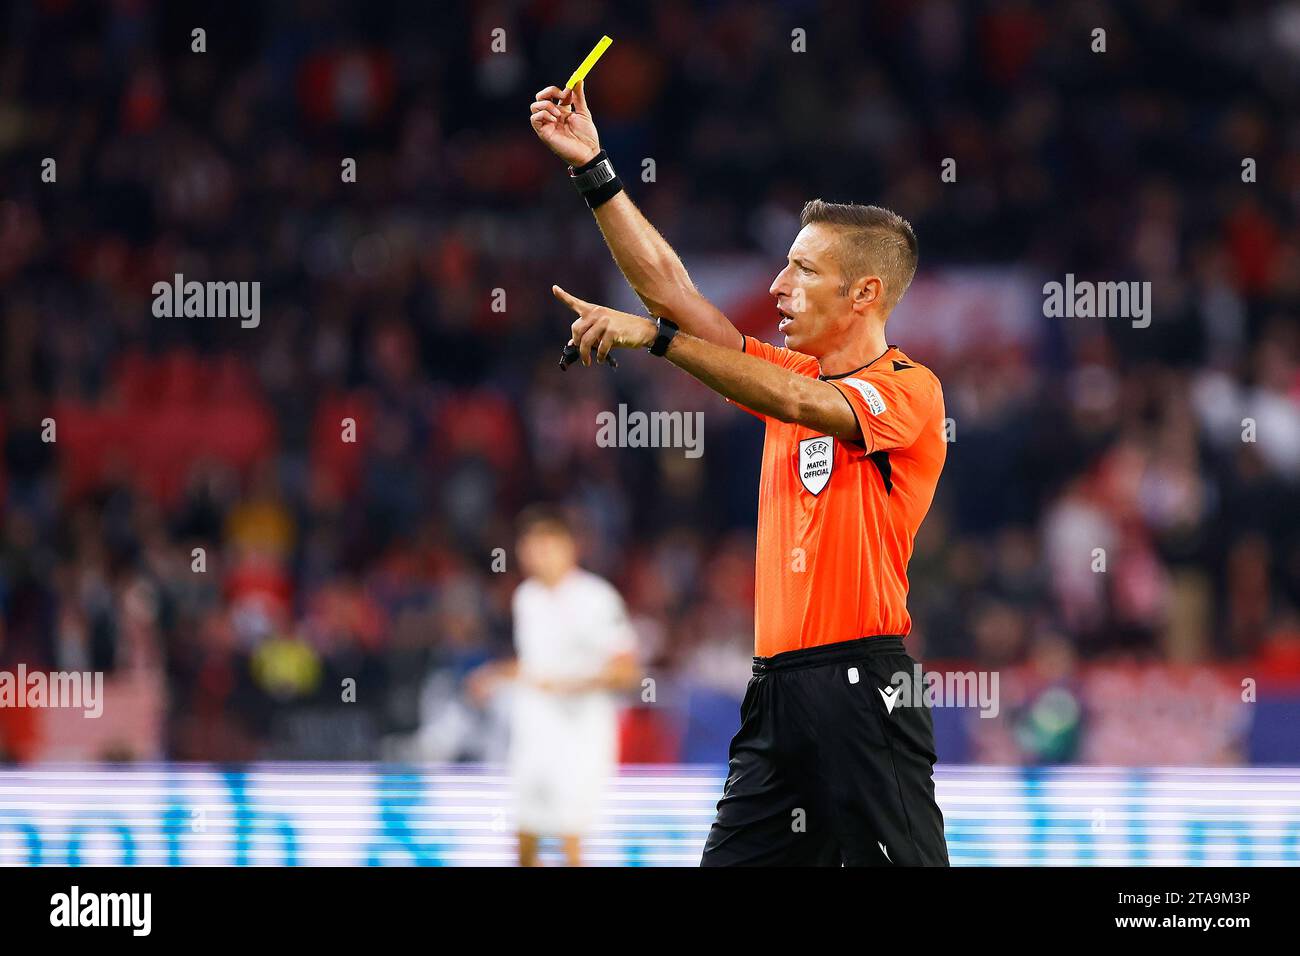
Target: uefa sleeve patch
<point>875,404</point>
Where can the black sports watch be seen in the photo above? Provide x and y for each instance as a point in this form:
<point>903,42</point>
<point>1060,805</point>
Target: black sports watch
<point>667,329</point>
<point>596,180</point>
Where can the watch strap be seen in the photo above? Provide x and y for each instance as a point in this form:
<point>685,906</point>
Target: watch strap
<point>667,329</point>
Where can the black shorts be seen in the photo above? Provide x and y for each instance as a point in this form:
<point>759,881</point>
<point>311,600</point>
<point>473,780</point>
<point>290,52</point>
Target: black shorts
<point>822,773</point>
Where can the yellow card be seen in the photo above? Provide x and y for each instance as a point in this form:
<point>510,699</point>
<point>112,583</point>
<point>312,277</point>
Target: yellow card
<point>581,72</point>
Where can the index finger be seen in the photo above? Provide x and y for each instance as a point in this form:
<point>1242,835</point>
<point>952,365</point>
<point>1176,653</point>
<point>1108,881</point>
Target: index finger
<point>572,301</point>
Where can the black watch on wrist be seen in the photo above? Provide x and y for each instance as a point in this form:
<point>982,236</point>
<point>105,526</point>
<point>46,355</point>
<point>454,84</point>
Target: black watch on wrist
<point>596,180</point>
<point>592,174</point>
<point>667,330</point>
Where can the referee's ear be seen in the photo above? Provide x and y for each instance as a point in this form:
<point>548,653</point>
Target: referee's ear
<point>868,292</point>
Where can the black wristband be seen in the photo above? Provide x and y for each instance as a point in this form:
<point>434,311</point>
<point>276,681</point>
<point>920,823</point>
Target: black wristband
<point>579,170</point>
<point>667,329</point>
<point>603,194</point>
<point>596,180</point>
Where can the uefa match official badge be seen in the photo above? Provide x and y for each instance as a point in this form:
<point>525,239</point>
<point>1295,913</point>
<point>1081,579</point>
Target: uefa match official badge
<point>816,458</point>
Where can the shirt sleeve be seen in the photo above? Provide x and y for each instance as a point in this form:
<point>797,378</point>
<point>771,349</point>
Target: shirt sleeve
<point>516,619</point>
<point>891,406</point>
<point>615,627</point>
<point>782,358</point>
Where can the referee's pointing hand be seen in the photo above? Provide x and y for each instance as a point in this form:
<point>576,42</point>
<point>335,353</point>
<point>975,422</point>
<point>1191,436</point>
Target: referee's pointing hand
<point>604,329</point>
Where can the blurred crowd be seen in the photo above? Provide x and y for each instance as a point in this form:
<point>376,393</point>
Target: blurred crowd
<point>253,520</point>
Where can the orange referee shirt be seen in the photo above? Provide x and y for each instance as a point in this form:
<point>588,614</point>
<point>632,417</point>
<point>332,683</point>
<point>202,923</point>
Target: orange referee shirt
<point>836,520</point>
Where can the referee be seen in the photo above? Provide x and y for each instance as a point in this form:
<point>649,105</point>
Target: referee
<point>829,766</point>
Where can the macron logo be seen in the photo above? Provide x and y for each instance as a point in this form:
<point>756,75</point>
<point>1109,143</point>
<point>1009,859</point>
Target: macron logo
<point>890,697</point>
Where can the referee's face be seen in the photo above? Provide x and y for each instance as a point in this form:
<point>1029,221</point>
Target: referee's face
<point>812,312</point>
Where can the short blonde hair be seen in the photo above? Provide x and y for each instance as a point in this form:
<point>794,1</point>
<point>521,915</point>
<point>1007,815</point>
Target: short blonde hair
<point>873,241</point>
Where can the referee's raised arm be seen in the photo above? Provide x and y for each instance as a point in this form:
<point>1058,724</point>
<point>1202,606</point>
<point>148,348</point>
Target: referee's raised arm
<point>655,272</point>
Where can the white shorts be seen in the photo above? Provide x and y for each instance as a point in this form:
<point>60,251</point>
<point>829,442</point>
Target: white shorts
<point>563,752</point>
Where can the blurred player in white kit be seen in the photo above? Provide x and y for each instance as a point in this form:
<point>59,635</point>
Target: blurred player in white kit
<point>574,649</point>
